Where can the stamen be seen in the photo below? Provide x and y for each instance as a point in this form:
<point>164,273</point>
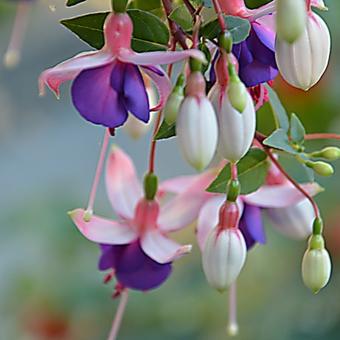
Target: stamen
<point>232,327</point>
<point>12,55</point>
<point>119,316</point>
<point>99,170</point>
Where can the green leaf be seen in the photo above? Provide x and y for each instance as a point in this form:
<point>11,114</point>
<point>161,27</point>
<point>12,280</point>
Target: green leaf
<point>70,3</point>
<point>238,27</point>
<point>149,5</point>
<point>279,112</point>
<point>297,130</point>
<point>279,140</point>
<point>252,172</point>
<point>149,32</point>
<point>182,17</point>
<point>166,131</point>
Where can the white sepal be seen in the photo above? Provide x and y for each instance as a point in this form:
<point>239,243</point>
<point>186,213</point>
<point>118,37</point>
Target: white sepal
<point>295,221</point>
<point>223,257</point>
<point>236,130</point>
<point>197,131</point>
<point>303,62</point>
<point>316,269</point>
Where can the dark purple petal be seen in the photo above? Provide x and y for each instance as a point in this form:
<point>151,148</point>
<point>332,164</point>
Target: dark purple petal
<point>257,73</point>
<point>266,36</point>
<point>154,69</point>
<point>117,77</point>
<point>251,225</point>
<point>133,268</point>
<point>136,98</point>
<point>96,100</point>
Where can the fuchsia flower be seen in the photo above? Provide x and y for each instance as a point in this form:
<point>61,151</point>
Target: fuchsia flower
<point>136,246</point>
<point>107,84</point>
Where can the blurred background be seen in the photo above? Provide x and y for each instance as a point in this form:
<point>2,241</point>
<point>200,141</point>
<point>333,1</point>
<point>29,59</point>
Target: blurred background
<point>50,287</point>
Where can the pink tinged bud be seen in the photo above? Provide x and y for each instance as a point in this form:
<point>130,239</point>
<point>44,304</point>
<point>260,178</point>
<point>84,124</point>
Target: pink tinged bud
<point>236,130</point>
<point>303,62</point>
<point>223,257</point>
<point>295,221</point>
<point>197,130</point>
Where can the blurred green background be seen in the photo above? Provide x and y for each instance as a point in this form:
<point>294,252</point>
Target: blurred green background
<point>49,284</point>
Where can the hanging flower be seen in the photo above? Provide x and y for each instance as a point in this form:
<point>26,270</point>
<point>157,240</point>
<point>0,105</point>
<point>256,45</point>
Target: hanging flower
<point>136,246</point>
<point>108,84</point>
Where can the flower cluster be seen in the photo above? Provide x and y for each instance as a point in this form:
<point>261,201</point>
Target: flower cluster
<point>212,110</point>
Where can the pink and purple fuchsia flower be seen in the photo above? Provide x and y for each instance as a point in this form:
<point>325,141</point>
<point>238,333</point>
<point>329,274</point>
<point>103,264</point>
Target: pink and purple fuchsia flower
<point>108,84</point>
<point>136,246</point>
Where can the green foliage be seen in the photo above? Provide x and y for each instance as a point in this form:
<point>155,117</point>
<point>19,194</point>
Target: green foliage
<point>166,131</point>
<point>182,17</point>
<point>239,28</point>
<point>252,171</point>
<point>279,140</point>
<point>149,33</point>
<point>70,3</point>
<point>297,130</point>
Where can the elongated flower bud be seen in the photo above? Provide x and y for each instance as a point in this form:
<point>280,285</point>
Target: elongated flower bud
<point>295,222</point>
<point>321,168</point>
<point>237,91</point>
<point>223,257</point>
<point>291,16</point>
<point>236,130</point>
<point>174,101</point>
<point>316,264</point>
<point>196,128</point>
<point>303,62</point>
<point>331,153</point>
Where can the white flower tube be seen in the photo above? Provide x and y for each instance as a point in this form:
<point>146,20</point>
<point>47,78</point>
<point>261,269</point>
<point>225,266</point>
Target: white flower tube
<point>236,130</point>
<point>223,257</point>
<point>295,221</point>
<point>303,62</point>
<point>196,128</point>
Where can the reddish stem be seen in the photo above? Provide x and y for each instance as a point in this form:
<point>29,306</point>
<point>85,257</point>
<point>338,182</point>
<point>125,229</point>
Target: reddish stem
<point>234,174</point>
<point>312,136</point>
<point>190,7</point>
<point>219,15</point>
<point>290,179</point>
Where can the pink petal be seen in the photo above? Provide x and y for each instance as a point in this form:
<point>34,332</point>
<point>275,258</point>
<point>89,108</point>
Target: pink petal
<point>101,230</point>
<point>69,69</point>
<point>183,209</point>
<point>161,249</point>
<point>208,218</point>
<point>122,185</point>
<point>158,58</point>
<point>178,184</point>
<point>280,196</point>
<point>162,83</point>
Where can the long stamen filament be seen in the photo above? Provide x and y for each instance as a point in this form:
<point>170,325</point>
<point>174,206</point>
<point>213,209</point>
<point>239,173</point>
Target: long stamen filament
<point>119,315</point>
<point>232,327</point>
<point>12,55</point>
<point>99,171</point>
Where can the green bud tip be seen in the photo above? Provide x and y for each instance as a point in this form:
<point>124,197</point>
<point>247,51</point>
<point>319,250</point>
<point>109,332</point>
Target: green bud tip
<point>316,242</point>
<point>225,41</point>
<point>233,191</point>
<point>119,6</point>
<point>195,65</point>
<point>330,153</point>
<point>321,168</point>
<point>180,81</point>
<point>237,93</point>
<point>150,186</point>
<point>317,226</point>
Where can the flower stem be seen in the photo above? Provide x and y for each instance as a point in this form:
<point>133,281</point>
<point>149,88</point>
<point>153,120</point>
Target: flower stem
<point>98,171</point>
<point>290,179</point>
<point>190,7</point>
<point>219,13</point>
<point>12,55</point>
<point>119,315</point>
<point>313,136</point>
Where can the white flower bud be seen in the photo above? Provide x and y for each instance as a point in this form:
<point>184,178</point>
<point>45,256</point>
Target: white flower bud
<point>236,130</point>
<point>291,18</point>
<point>295,221</point>
<point>316,264</point>
<point>303,62</point>
<point>223,257</point>
<point>197,131</point>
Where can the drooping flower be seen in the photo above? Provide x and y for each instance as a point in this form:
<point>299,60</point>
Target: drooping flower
<point>136,246</point>
<point>108,84</point>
